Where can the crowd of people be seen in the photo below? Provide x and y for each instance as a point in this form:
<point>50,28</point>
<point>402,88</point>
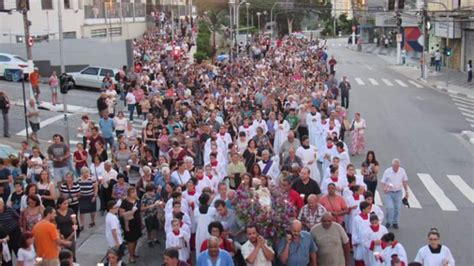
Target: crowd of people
<point>273,119</point>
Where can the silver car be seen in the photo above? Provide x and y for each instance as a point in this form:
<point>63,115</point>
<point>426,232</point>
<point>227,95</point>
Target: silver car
<point>92,76</point>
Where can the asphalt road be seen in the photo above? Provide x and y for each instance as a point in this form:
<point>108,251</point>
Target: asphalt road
<point>405,120</point>
<point>421,127</point>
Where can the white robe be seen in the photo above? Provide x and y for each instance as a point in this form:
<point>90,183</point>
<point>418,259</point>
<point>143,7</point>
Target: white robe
<point>312,121</point>
<point>262,123</point>
<point>249,131</point>
<point>320,137</point>
<point>169,219</point>
<point>344,160</point>
<point>330,152</point>
<point>180,241</point>
<point>202,222</point>
<point>369,246</point>
<point>192,203</point>
<point>273,172</point>
<point>281,134</point>
<point>307,155</point>
<point>390,250</point>
<point>359,226</point>
<point>349,218</point>
<point>426,258</point>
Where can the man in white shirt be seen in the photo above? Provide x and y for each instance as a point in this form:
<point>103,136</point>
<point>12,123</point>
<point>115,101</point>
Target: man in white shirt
<point>393,181</point>
<point>113,233</point>
<point>256,251</point>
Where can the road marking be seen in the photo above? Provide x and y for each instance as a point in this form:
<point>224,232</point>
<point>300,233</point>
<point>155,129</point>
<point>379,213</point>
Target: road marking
<point>466,110</point>
<point>401,83</point>
<point>414,203</point>
<point>465,99</point>
<point>466,114</point>
<point>462,186</point>
<point>373,81</point>
<point>416,84</point>
<point>470,120</point>
<point>386,81</point>
<point>43,123</point>
<point>359,81</point>
<point>438,194</point>
<point>461,104</point>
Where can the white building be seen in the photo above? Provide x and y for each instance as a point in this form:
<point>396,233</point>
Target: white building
<point>114,19</point>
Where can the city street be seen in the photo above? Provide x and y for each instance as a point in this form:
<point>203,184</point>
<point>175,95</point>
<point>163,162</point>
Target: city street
<point>405,119</point>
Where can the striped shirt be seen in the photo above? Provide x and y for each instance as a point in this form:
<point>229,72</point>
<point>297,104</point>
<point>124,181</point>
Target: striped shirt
<point>9,219</point>
<point>70,193</point>
<point>87,187</point>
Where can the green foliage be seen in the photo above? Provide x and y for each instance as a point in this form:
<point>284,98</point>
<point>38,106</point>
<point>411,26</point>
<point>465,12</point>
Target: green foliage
<point>203,45</point>
<point>200,56</point>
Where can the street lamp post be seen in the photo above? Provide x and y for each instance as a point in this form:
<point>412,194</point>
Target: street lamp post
<point>63,69</point>
<point>247,5</point>
<point>231,27</point>
<point>258,20</point>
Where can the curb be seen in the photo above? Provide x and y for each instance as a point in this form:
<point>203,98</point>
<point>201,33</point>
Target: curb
<point>468,136</point>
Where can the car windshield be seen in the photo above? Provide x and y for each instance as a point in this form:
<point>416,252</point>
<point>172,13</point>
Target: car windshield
<point>19,58</point>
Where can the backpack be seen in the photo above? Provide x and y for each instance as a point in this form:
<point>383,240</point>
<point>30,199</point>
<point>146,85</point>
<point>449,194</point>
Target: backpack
<point>4,104</point>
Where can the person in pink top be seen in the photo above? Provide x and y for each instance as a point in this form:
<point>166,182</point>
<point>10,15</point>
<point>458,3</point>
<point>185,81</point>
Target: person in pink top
<point>53,85</point>
<point>335,204</point>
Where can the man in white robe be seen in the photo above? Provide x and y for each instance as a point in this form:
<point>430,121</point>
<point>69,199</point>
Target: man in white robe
<point>312,120</point>
<point>269,167</point>
<point>178,237</point>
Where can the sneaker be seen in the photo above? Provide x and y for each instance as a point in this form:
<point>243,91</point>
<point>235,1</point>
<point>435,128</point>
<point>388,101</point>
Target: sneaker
<point>150,244</point>
<point>395,226</point>
<point>388,225</point>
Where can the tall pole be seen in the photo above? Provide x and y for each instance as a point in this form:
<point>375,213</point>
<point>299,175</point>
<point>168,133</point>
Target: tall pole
<point>447,43</point>
<point>247,6</point>
<point>424,73</point>
<point>334,20</point>
<point>258,21</point>
<point>63,70</point>
<point>399,46</point>
<point>29,57</point>
<point>231,27</point>
<point>24,104</point>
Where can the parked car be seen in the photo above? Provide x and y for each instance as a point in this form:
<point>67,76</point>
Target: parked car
<point>92,76</point>
<point>12,62</point>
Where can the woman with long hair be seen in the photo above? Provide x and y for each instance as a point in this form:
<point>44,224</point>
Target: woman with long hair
<point>46,190</point>
<point>66,222</point>
<point>26,253</point>
<point>358,136</point>
<point>32,214</point>
<point>132,224</point>
<point>251,155</point>
<point>369,170</point>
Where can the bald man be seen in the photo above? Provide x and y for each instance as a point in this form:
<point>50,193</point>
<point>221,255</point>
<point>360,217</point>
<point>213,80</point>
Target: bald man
<point>311,213</point>
<point>332,241</point>
<point>298,247</point>
<point>214,254</point>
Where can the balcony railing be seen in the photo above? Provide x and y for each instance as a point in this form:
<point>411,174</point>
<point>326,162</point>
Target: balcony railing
<point>102,12</point>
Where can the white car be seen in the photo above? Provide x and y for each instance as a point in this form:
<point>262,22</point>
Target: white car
<point>11,61</point>
<point>92,76</point>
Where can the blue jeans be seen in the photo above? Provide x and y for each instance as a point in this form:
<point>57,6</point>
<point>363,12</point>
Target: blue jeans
<point>131,109</point>
<point>59,173</point>
<point>109,142</point>
<point>437,65</point>
<point>393,203</point>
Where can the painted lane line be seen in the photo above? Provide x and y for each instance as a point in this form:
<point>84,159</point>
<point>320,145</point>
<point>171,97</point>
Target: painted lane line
<point>465,99</point>
<point>373,81</point>
<point>470,120</point>
<point>401,83</point>
<point>438,194</point>
<point>387,82</point>
<point>468,115</point>
<point>460,104</point>
<point>359,81</point>
<point>414,203</point>
<point>43,123</point>
<point>466,110</point>
<point>416,84</point>
<point>462,186</point>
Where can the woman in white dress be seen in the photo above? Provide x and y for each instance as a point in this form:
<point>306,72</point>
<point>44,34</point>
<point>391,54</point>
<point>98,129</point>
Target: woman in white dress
<point>203,216</point>
<point>309,155</point>
<point>435,254</point>
<point>282,127</point>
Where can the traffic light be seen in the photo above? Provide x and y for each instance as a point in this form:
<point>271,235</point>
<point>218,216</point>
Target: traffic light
<point>22,5</point>
<point>66,83</point>
<point>448,51</point>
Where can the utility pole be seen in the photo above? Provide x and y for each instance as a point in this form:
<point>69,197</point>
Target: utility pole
<point>63,69</point>
<point>399,27</point>
<point>424,73</point>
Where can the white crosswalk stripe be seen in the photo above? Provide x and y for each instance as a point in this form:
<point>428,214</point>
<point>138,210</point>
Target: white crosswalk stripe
<point>387,82</point>
<point>462,104</point>
<point>438,194</point>
<point>412,200</point>
<point>462,99</point>
<point>462,186</point>
<point>359,81</point>
<point>401,83</point>
<point>466,110</point>
<point>415,84</point>
<point>373,81</point>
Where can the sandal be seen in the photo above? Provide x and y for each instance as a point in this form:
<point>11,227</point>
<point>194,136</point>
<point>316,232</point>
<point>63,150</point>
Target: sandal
<point>91,225</point>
